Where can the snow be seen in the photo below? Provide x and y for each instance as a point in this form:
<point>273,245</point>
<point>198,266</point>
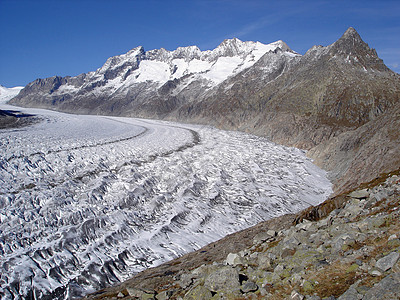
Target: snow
<point>184,67</point>
<point>181,67</point>
<point>65,88</point>
<point>7,94</point>
<point>152,70</point>
<point>160,65</point>
<point>80,195</point>
<point>222,68</point>
<point>198,66</point>
<point>117,61</point>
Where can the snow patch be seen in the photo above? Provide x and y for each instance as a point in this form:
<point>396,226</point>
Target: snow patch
<point>153,71</point>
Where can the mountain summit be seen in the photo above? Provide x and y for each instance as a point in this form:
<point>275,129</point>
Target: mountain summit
<point>352,34</point>
<point>357,51</point>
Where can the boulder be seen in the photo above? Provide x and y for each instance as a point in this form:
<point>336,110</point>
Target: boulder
<point>360,194</point>
<point>233,259</point>
<point>224,278</point>
<point>263,236</point>
<point>198,293</point>
<point>387,288</point>
<point>350,294</point>
<point>296,296</point>
<point>388,261</point>
<point>249,286</point>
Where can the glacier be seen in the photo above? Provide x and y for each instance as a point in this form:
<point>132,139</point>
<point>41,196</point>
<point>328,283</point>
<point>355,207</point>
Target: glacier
<point>89,201</point>
<point>8,93</point>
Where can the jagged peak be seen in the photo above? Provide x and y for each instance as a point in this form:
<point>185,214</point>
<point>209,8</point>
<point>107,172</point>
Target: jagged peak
<point>135,51</point>
<point>232,41</point>
<point>234,46</point>
<point>187,53</point>
<point>350,48</point>
<point>281,44</point>
<point>115,61</point>
<point>350,41</point>
<point>188,48</point>
<point>351,32</point>
<point>351,35</point>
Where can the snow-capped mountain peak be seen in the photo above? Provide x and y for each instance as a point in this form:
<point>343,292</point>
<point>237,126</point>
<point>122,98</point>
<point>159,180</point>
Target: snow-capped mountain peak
<point>181,75</point>
<point>130,58</point>
<point>161,65</point>
<point>233,47</point>
<point>149,70</point>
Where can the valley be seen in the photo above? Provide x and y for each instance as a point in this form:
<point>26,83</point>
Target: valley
<point>159,153</point>
<point>89,201</point>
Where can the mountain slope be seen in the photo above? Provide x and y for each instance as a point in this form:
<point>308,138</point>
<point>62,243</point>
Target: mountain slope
<point>327,90</point>
<point>358,155</point>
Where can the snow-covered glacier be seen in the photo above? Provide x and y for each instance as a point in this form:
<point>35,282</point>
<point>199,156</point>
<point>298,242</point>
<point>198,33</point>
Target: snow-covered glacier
<point>8,93</point>
<point>88,201</point>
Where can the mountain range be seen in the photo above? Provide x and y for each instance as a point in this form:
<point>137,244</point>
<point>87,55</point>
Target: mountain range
<point>340,102</point>
<point>152,83</point>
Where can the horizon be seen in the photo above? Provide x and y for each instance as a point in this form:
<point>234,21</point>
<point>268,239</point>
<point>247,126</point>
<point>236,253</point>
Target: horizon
<point>66,38</point>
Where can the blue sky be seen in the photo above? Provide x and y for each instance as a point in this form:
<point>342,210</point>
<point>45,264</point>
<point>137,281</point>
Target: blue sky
<point>43,38</point>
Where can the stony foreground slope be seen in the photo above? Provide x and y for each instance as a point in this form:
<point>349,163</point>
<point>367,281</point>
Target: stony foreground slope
<point>345,248</point>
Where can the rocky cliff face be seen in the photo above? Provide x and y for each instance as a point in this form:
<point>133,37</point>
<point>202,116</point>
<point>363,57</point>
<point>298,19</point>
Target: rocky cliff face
<point>359,154</point>
<point>322,99</point>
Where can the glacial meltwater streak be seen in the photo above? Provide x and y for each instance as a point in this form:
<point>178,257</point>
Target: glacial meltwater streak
<point>88,201</point>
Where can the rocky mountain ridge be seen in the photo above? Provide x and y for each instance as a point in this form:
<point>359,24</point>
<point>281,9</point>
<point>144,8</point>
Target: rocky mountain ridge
<point>136,82</point>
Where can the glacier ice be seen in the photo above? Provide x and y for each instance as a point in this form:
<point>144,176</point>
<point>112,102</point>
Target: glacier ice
<point>8,93</point>
<point>88,201</point>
